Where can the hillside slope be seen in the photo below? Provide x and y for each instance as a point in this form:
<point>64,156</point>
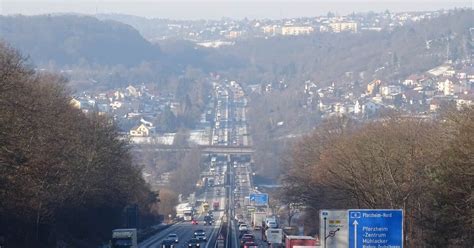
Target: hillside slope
<point>73,39</point>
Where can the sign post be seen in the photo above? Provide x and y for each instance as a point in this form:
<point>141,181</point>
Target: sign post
<point>375,228</point>
<point>334,228</point>
<point>259,199</point>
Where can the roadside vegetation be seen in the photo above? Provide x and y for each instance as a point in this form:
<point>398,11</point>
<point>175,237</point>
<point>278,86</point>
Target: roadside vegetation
<point>65,176</point>
<point>423,166</point>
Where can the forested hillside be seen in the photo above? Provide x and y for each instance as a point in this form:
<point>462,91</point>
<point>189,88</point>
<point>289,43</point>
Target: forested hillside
<point>65,177</point>
<point>424,167</point>
<point>326,57</point>
<point>71,39</point>
<point>119,53</point>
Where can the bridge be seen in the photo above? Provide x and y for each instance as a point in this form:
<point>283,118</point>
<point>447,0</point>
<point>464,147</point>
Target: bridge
<point>227,149</point>
<point>206,149</point>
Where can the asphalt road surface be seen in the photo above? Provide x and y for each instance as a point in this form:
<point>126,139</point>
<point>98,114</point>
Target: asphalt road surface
<point>185,230</point>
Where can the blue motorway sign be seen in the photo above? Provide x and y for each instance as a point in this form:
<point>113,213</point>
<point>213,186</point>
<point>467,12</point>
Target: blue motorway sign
<point>375,228</point>
<point>259,199</point>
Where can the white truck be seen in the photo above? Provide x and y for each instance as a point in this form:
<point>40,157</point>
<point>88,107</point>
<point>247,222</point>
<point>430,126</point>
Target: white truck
<point>124,238</point>
<point>257,219</point>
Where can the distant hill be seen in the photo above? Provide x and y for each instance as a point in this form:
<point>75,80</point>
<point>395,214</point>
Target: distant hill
<point>147,27</point>
<point>74,39</point>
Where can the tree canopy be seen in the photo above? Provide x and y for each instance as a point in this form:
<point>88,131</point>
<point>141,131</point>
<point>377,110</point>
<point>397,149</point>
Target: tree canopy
<point>64,175</point>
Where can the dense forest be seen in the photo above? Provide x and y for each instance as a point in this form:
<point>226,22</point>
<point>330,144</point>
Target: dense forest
<point>65,177</point>
<point>422,166</point>
<point>76,40</point>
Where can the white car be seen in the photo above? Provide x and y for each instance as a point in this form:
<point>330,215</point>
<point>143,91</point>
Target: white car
<point>243,227</point>
<point>272,224</point>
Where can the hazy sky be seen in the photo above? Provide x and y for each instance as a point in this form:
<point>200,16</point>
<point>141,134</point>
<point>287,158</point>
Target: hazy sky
<point>202,9</point>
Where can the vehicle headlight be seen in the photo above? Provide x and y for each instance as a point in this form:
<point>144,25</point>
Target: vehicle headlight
<point>197,244</point>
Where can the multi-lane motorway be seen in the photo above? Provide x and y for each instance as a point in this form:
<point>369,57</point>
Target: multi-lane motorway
<point>185,229</point>
<point>230,172</point>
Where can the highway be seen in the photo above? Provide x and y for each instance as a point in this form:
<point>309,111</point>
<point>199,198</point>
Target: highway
<point>228,166</point>
<point>185,230</point>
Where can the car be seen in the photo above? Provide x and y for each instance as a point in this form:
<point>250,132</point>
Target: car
<point>199,232</point>
<point>244,240</point>
<point>167,243</point>
<point>238,216</point>
<point>208,220</point>
<point>250,244</point>
<point>201,237</point>
<point>174,237</point>
<point>272,224</point>
<point>194,222</point>
<point>243,227</point>
<point>248,235</point>
<point>194,243</point>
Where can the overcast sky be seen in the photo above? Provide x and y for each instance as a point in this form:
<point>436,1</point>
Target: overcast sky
<point>202,9</point>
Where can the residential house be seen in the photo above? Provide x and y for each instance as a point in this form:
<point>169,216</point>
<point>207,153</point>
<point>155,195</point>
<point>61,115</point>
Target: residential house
<point>465,100</point>
<point>132,91</point>
<point>327,104</point>
<point>296,30</point>
<point>75,103</point>
<point>390,90</point>
<point>338,27</point>
<point>373,87</point>
<point>371,107</point>
<point>140,131</point>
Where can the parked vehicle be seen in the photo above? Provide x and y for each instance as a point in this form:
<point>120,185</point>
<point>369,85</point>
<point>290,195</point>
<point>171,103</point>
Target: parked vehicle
<point>122,238</point>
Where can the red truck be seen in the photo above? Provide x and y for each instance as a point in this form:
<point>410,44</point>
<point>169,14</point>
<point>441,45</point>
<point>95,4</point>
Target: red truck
<point>215,205</point>
<point>306,241</point>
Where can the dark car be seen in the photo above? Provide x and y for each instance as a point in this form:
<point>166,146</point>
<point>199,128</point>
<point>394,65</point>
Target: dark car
<point>194,243</point>
<point>173,237</point>
<point>208,219</point>
<point>200,235</point>
<point>199,232</point>
<point>250,245</point>
<point>246,239</point>
<point>167,243</point>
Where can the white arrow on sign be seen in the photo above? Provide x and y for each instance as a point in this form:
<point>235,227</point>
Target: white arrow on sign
<point>355,223</point>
